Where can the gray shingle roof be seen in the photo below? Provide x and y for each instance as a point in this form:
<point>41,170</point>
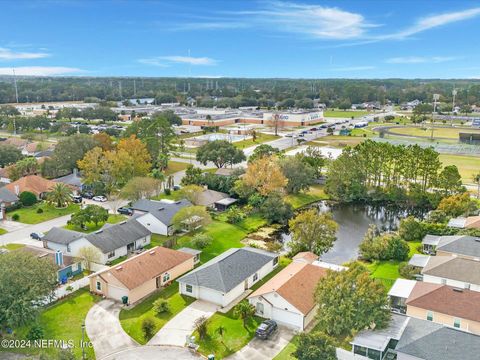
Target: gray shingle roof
<point>430,341</point>
<point>71,179</point>
<point>7,196</point>
<point>62,236</point>
<point>163,211</point>
<point>464,245</point>
<point>229,269</point>
<point>116,236</point>
<point>454,268</point>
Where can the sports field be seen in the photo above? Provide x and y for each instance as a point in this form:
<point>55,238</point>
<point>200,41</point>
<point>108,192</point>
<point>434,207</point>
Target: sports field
<point>447,133</point>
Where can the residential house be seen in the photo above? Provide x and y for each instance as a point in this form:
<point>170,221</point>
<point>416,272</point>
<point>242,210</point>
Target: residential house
<point>73,180</point>
<point>453,271</point>
<point>445,305</point>
<point>470,222</point>
<point>32,183</point>
<point>157,216</point>
<point>196,253</point>
<point>4,177</point>
<point>409,338</point>
<point>209,197</point>
<point>399,293</point>
<point>68,266</point>
<point>140,275</point>
<point>224,204</point>
<point>7,198</point>
<point>112,241</point>
<point>459,245</point>
<point>228,276</point>
<point>288,297</point>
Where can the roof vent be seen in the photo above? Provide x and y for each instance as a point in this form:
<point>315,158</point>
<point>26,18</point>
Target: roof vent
<point>151,252</point>
<point>98,231</point>
<point>458,290</point>
<point>160,209</point>
<point>119,267</point>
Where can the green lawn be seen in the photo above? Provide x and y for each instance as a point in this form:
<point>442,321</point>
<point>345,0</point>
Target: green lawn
<point>440,132</point>
<point>286,353</point>
<point>468,166</point>
<point>315,193</point>
<point>29,215</point>
<point>63,320</point>
<point>131,320</point>
<point>3,231</point>
<point>344,113</point>
<point>12,247</point>
<point>250,223</point>
<point>112,219</point>
<point>175,166</point>
<point>261,138</point>
<point>236,336</point>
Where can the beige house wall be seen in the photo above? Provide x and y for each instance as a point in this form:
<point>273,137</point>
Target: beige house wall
<point>446,253</point>
<point>467,325</point>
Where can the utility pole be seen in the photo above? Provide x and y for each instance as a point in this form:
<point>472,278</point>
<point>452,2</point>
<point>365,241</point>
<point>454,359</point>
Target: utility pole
<point>134,88</point>
<point>15,84</point>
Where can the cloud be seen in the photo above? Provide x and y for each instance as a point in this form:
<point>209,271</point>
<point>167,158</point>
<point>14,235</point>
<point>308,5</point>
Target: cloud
<point>7,54</point>
<point>165,61</point>
<point>420,59</point>
<point>39,70</point>
<point>433,21</point>
<point>353,68</point>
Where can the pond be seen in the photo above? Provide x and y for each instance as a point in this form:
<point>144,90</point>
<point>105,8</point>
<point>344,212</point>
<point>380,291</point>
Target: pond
<point>353,221</point>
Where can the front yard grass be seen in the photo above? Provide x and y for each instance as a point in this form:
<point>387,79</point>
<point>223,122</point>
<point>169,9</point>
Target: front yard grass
<point>63,320</point>
<point>235,337</point>
<point>315,193</point>
<point>12,246</point>
<point>131,320</point>
<point>3,231</point>
<point>91,227</point>
<point>175,166</point>
<point>286,353</point>
<point>29,215</point>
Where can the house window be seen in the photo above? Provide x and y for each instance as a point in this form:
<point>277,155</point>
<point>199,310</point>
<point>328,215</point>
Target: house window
<point>456,323</point>
<point>188,288</point>
<point>99,286</point>
<point>111,254</point>
<point>429,316</point>
<point>444,281</point>
<point>275,261</point>
<point>255,277</point>
<point>166,277</point>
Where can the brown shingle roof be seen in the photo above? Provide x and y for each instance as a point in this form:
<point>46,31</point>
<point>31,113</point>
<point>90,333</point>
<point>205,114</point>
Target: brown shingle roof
<point>453,267</point>
<point>32,183</point>
<point>473,222</point>
<point>150,264</point>
<point>296,284</point>
<point>447,300</point>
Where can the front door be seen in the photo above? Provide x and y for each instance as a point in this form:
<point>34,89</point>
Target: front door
<point>130,247</point>
<point>159,282</point>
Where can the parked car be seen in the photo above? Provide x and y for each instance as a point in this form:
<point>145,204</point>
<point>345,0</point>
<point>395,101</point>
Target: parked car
<point>266,329</point>
<point>37,236</point>
<point>313,129</point>
<point>176,187</point>
<point>88,195</point>
<point>99,198</point>
<point>77,199</point>
<point>125,211</point>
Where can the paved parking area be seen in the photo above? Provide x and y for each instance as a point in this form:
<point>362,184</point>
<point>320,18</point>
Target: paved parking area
<point>265,349</point>
<point>175,331</point>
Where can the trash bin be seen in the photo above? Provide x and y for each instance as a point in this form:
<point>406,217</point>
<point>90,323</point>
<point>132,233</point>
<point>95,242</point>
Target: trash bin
<point>211,357</point>
<point>125,300</point>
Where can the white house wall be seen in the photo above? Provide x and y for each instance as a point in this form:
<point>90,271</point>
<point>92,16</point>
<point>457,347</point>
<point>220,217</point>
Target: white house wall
<point>450,282</point>
<point>153,224</point>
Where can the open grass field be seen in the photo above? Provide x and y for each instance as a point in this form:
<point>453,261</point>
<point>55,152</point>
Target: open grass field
<point>468,166</point>
<point>175,166</point>
<point>29,215</point>
<point>131,320</point>
<point>448,133</point>
<point>261,138</point>
<point>337,141</point>
<point>344,113</point>
<point>315,193</point>
<point>63,320</point>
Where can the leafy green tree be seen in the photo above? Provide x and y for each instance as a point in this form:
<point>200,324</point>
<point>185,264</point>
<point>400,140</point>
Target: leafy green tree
<point>411,229</point>
<point>299,174</point>
<point>60,196</point>
<point>313,157</point>
<point>350,301</point>
<point>9,154</point>
<point>315,346</point>
<point>141,187</point>
<point>90,214</point>
<point>192,193</point>
<point>263,150</point>
<point>193,175</point>
<point>23,167</point>
<point>313,232</point>
<point>221,153</point>
<point>191,217</point>
<point>275,210</point>
<point>458,205</point>
<point>449,180</point>
<point>384,247</point>
<point>27,198</point>
<point>37,279</point>
<point>71,149</point>
<point>245,311</point>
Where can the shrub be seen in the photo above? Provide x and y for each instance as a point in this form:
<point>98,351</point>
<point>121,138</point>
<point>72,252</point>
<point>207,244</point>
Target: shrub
<point>35,333</point>
<point>384,247</point>
<point>148,328</point>
<point>235,215</point>
<point>161,306</point>
<point>274,246</point>
<point>39,211</point>
<point>201,326</point>
<point>408,271</point>
<point>27,198</point>
<point>201,241</point>
<point>167,191</point>
<point>15,217</point>
<point>411,229</point>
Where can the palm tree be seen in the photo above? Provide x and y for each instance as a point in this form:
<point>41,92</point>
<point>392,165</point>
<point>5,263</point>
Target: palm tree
<point>221,331</point>
<point>244,311</point>
<point>60,196</point>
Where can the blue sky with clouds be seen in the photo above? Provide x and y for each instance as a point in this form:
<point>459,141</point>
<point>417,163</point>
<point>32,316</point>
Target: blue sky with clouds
<point>307,39</point>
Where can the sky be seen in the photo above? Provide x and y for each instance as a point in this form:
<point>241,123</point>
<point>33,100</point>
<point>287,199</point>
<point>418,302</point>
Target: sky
<point>241,38</point>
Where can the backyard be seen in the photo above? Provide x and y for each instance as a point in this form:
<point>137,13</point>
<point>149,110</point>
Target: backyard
<point>31,215</point>
<point>315,193</point>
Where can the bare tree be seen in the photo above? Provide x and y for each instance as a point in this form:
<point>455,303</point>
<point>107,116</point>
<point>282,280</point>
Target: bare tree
<point>89,255</point>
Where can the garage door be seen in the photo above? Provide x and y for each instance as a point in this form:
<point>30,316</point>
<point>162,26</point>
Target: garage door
<point>287,318</point>
<point>116,293</point>
<point>210,296</point>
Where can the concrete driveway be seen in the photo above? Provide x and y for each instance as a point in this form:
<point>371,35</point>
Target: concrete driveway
<point>154,353</point>
<point>178,328</point>
<point>265,349</point>
<point>104,329</point>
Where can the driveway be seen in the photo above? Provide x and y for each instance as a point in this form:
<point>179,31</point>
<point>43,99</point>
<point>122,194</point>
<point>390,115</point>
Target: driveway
<point>178,328</point>
<point>265,349</point>
<point>104,329</point>
<point>154,353</point>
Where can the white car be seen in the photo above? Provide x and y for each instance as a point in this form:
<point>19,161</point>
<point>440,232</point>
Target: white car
<point>99,198</point>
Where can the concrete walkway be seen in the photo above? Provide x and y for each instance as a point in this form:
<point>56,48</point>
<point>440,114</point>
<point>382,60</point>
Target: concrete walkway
<point>104,329</point>
<point>175,331</point>
<point>154,353</point>
<point>265,349</point>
